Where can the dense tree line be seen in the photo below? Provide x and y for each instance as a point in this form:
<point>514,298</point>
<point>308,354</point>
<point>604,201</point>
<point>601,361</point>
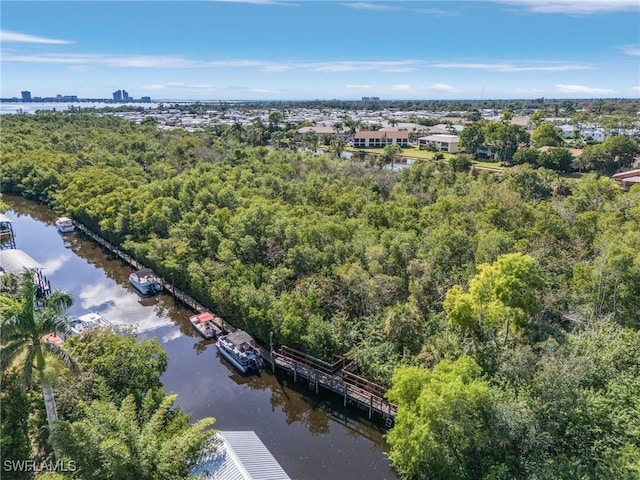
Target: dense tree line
<point>483,300</point>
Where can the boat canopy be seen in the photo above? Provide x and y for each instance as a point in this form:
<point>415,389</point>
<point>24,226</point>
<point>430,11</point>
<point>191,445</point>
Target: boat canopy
<point>204,317</point>
<point>15,261</point>
<point>145,272</point>
<point>4,218</point>
<point>239,337</point>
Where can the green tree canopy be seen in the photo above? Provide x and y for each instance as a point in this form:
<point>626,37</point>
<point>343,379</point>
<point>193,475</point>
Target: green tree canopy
<point>442,425</point>
<point>546,134</point>
<point>499,295</point>
<point>110,442</point>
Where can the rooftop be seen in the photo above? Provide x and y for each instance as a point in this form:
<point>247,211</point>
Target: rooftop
<point>238,456</point>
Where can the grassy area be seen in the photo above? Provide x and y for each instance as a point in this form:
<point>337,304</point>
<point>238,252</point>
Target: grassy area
<point>496,165</point>
<point>415,152</point>
<point>410,152</point>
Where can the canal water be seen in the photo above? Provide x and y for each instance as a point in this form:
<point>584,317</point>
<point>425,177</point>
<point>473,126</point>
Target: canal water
<point>311,436</point>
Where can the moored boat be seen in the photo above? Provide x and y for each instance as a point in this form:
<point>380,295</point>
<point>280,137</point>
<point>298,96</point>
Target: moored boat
<point>65,225</point>
<point>205,324</point>
<point>145,281</point>
<point>87,321</point>
<point>240,350</point>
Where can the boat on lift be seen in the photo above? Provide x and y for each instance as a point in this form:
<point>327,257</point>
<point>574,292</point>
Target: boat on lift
<point>65,225</point>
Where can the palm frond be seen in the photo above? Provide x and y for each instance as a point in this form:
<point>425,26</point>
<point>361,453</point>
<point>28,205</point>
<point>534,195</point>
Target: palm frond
<point>11,350</point>
<point>28,366</point>
<point>61,354</point>
<point>59,301</point>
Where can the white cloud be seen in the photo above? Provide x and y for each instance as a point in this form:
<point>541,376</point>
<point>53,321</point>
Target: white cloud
<point>364,87</point>
<point>241,64</point>
<point>632,50</point>
<point>261,90</point>
<point>580,89</point>
<point>356,66</point>
<point>52,265</point>
<point>120,306</point>
<point>436,12</point>
<point>259,2</point>
<point>575,7</point>
<point>173,335</point>
<point>159,61</point>
<point>637,88</point>
<point>132,61</point>
<point>443,87</point>
<point>402,87</point>
<point>162,86</point>
<point>509,67</point>
<point>371,6</point>
<point>15,37</point>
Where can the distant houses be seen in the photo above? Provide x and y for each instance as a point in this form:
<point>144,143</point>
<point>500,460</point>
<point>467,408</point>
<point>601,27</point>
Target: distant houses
<point>627,179</point>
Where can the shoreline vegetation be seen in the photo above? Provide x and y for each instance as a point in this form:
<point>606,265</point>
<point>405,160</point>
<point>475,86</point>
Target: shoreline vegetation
<point>501,309</point>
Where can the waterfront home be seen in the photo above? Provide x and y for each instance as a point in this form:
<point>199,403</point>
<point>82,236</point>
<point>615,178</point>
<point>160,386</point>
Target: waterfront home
<point>380,139</point>
<point>441,143</point>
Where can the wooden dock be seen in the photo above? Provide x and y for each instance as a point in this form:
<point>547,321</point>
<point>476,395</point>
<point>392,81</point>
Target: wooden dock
<point>336,376</point>
<point>168,287</point>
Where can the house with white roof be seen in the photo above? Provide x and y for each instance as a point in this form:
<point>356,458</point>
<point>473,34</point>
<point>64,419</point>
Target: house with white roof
<point>441,142</point>
<point>237,456</point>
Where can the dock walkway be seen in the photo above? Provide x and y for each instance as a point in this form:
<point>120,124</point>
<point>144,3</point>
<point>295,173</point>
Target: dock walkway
<point>337,376</point>
<point>169,287</point>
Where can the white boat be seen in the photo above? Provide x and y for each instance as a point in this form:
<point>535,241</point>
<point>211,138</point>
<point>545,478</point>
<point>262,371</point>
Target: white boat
<point>145,281</point>
<point>65,225</point>
<point>241,351</point>
<point>85,322</point>
<point>204,323</point>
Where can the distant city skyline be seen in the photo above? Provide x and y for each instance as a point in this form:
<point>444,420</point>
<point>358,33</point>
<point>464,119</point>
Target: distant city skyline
<point>307,50</point>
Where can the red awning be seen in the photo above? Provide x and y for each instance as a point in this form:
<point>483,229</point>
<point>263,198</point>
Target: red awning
<point>204,317</point>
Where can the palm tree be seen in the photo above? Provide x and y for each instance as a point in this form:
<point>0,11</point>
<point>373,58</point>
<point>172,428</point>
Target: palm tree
<point>25,322</point>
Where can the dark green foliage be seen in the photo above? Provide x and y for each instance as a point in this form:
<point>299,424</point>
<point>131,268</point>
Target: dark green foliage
<point>15,406</point>
<point>335,257</point>
<point>111,442</point>
<point>102,353</point>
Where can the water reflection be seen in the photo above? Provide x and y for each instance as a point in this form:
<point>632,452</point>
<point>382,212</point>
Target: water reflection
<point>311,435</point>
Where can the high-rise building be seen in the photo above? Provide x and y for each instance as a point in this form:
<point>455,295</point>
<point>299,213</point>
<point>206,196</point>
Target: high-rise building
<point>125,96</point>
<point>117,96</point>
<point>26,96</point>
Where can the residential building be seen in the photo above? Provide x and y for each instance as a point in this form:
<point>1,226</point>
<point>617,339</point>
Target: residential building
<point>575,152</point>
<point>628,179</point>
<point>441,142</point>
<point>233,455</point>
<point>379,139</point>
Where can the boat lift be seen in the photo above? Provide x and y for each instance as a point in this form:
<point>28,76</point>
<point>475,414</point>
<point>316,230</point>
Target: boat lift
<point>7,237</point>
<point>17,261</point>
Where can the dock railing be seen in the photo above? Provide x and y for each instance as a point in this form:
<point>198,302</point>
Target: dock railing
<point>337,375</point>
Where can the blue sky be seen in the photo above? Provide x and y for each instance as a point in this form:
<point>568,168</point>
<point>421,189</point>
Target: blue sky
<point>293,49</point>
